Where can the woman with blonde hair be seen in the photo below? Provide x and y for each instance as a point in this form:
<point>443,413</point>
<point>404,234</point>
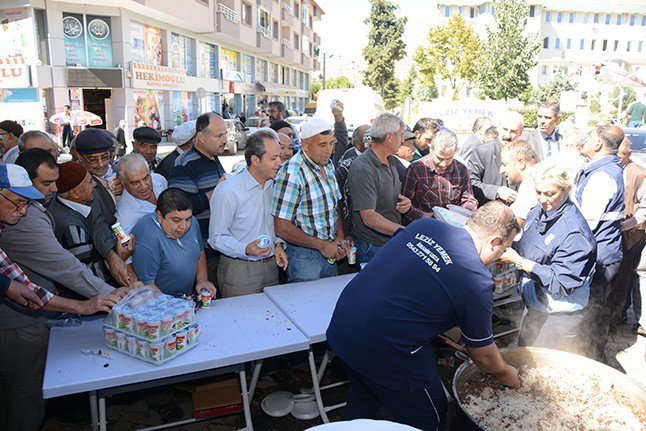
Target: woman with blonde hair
<point>556,255</point>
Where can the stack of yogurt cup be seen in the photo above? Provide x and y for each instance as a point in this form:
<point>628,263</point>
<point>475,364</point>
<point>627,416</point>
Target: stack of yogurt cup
<point>155,330</point>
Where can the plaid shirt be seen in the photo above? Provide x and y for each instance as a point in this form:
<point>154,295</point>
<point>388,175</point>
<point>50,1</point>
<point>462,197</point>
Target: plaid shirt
<point>426,188</point>
<point>305,198</point>
<point>13,271</point>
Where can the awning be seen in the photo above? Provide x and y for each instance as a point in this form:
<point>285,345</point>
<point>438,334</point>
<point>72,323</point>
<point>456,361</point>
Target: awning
<point>265,86</point>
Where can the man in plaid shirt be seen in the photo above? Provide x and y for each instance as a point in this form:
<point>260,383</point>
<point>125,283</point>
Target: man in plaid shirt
<point>23,349</point>
<point>438,180</point>
<point>305,207</point>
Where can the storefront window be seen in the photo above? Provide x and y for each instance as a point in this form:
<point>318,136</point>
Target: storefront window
<point>183,109</point>
<point>149,108</point>
<point>247,67</point>
<point>261,70</point>
<point>146,44</point>
<point>181,48</point>
<point>207,61</point>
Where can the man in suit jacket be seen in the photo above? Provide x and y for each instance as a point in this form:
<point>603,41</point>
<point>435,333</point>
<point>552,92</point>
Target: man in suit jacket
<point>484,171</point>
<point>480,125</point>
<point>546,140</point>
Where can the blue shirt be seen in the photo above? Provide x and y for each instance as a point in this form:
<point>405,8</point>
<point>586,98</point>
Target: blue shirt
<point>171,264</point>
<point>426,280</point>
<point>197,174</point>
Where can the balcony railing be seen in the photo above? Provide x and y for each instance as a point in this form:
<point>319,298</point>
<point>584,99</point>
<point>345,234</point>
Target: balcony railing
<point>229,13</point>
<point>288,43</point>
<point>289,9</point>
<point>264,31</point>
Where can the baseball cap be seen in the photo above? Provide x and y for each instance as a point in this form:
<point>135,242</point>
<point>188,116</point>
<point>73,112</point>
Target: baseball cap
<point>16,179</point>
<point>184,132</point>
<point>314,127</point>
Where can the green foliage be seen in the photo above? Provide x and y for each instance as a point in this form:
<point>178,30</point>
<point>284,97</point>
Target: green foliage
<point>339,82</point>
<point>508,52</point>
<point>551,90</point>
<point>315,87</point>
<point>392,94</point>
<point>385,47</point>
<point>425,93</point>
<point>408,85</point>
<point>453,53</point>
<point>629,97</point>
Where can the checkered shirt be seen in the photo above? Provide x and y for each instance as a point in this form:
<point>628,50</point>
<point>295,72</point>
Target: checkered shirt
<point>305,198</point>
<point>13,271</point>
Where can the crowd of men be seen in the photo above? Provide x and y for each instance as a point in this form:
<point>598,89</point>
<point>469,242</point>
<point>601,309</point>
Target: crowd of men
<point>312,193</point>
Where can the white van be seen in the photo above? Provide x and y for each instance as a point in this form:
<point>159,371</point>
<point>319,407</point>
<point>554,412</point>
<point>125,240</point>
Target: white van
<point>360,105</point>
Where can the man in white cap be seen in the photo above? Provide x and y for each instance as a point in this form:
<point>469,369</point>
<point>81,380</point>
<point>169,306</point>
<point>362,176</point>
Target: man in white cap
<point>305,207</point>
<point>183,136</point>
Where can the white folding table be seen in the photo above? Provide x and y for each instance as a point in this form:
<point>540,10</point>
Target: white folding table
<point>310,305</point>
<point>232,332</point>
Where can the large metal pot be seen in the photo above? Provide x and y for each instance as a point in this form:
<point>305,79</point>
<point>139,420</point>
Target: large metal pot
<point>533,357</point>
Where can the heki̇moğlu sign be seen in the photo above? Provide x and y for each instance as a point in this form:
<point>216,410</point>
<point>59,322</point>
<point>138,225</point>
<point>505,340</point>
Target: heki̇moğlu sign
<point>157,77</point>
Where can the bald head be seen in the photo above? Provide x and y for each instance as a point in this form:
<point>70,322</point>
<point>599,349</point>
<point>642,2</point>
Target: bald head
<point>511,126</point>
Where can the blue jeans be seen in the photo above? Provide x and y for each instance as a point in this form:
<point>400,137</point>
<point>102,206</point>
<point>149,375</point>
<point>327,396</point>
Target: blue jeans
<point>365,250</point>
<point>307,264</point>
<point>635,124</point>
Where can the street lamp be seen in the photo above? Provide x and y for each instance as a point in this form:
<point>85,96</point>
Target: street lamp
<point>324,57</point>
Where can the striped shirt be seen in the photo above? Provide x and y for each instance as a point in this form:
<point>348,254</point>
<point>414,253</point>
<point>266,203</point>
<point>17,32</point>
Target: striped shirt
<point>14,272</point>
<point>197,174</point>
<point>305,198</point>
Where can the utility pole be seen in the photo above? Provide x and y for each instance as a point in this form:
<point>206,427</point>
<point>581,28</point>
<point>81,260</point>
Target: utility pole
<point>324,57</point>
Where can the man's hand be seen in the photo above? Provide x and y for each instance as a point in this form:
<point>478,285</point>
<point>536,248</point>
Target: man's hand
<point>117,187</point>
<point>506,194</point>
<point>118,269</point>
<point>338,115</point>
<point>403,204</point>
<point>344,243</point>
<point>21,295</point>
<point>330,250</point>
<point>121,292</point>
<point>281,256</point>
<point>509,377</point>
<point>98,303</point>
<point>511,256</point>
<point>125,250</point>
<point>252,249</point>
<point>206,284</point>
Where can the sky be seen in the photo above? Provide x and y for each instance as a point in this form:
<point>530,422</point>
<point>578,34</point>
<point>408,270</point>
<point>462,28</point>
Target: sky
<point>344,34</point>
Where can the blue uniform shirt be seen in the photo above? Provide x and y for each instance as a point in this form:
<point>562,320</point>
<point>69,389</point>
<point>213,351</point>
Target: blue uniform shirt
<point>169,263</point>
<point>427,279</point>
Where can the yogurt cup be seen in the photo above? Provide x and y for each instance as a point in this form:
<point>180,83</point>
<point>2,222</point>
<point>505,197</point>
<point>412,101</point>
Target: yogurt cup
<point>153,324</point>
<point>128,321</point>
<point>141,324</point>
<point>157,352</point>
<point>179,316</point>
<point>122,343</point>
<point>264,241</point>
<point>206,298</point>
<point>132,344</point>
<point>167,320</point>
<point>191,335</point>
<point>119,312</point>
<point>143,348</point>
<point>169,349</point>
<point>110,337</point>
<point>180,340</point>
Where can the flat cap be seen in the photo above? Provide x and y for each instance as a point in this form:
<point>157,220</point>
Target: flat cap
<point>91,141</point>
<point>11,127</point>
<point>146,134</point>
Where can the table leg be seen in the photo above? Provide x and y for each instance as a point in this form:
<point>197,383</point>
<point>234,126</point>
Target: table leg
<point>103,423</point>
<point>254,379</point>
<point>246,404</point>
<point>94,413</point>
<point>326,358</point>
<point>317,389</point>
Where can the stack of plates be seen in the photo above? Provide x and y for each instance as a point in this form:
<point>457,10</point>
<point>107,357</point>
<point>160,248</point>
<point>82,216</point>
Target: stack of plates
<point>279,404</point>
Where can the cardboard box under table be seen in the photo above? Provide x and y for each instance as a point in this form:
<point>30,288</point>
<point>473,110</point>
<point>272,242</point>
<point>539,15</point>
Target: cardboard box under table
<point>233,331</point>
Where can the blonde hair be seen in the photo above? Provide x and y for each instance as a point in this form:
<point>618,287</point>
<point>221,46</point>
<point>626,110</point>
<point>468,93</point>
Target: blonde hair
<point>552,172</point>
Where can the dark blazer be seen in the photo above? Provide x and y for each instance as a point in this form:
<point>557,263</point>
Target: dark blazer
<point>484,171</point>
<point>167,163</point>
<point>535,139</point>
<point>467,148</point>
<point>102,218</point>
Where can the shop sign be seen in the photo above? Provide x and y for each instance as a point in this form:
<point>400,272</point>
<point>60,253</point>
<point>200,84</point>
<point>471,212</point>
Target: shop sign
<point>243,88</point>
<point>99,41</point>
<point>16,33</point>
<point>157,77</point>
<point>14,72</point>
<point>232,75</point>
<point>74,37</point>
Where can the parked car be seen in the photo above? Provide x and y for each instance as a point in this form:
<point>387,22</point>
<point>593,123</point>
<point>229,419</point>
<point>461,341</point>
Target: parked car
<point>236,136</point>
<point>251,124</point>
<point>297,121</point>
<point>637,137</point>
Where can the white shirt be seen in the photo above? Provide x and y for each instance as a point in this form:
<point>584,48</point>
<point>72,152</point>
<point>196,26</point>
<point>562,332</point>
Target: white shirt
<point>598,191</point>
<point>129,209</point>
<point>526,199</point>
<point>11,155</point>
<point>555,146</point>
<point>84,210</point>
<point>240,213</point>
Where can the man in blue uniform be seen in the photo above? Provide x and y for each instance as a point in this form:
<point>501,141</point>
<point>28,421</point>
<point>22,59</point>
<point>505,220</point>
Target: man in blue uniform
<point>427,279</point>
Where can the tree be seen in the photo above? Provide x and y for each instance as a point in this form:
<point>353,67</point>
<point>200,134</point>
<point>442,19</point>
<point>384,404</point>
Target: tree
<point>408,85</point>
<point>385,46</point>
<point>339,82</point>
<point>453,53</point>
<point>315,87</point>
<point>508,52</point>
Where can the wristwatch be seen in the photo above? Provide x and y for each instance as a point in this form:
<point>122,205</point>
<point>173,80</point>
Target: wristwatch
<point>519,264</point>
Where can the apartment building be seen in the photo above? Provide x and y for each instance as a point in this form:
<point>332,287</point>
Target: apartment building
<point>154,62</point>
<point>574,34</point>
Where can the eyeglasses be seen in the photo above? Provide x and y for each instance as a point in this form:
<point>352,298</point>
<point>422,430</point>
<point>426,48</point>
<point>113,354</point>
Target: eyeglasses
<point>19,207</point>
<point>105,158</point>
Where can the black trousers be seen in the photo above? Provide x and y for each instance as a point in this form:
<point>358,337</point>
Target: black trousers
<point>68,135</point>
